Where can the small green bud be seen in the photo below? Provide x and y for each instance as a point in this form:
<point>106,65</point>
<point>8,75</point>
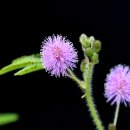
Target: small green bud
<point>95,58</point>
<point>89,52</point>
<point>83,65</point>
<point>111,127</point>
<point>91,40</point>
<point>96,46</point>
<point>84,41</point>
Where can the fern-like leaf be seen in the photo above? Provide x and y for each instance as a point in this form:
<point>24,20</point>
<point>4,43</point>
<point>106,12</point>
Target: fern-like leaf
<point>12,67</point>
<point>23,62</point>
<point>29,69</point>
<point>27,59</point>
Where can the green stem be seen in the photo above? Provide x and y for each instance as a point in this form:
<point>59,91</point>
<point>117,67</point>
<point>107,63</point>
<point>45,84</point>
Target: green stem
<point>73,77</point>
<point>116,114</point>
<point>89,97</point>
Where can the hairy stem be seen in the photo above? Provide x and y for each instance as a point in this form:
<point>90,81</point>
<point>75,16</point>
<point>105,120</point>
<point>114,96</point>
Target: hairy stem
<point>73,77</point>
<point>89,97</point>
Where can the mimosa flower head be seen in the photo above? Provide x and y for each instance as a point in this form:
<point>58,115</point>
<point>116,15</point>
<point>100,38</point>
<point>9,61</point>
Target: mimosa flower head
<point>117,86</point>
<point>58,55</point>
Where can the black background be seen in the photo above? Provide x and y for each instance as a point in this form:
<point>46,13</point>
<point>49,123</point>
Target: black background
<point>50,103</point>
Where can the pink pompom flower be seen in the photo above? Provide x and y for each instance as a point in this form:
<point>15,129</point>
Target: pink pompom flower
<point>117,86</point>
<point>58,55</point>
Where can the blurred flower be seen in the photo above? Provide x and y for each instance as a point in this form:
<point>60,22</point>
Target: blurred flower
<point>58,54</point>
<point>117,86</point>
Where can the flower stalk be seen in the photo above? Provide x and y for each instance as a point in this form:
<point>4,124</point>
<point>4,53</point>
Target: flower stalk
<point>116,114</point>
<point>89,97</point>
<point>78,81</point>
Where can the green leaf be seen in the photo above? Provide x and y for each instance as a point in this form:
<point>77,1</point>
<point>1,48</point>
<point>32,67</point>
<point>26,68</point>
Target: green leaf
<point>22,62</point>
<point>12,67</point>
<point>27,59</point>
<point>8,118</point>
<point>29,69</point>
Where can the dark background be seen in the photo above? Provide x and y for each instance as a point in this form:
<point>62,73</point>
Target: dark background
<point>50,103</point>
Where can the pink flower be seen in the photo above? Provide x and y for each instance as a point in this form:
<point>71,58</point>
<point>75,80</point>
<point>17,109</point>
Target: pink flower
<point>117,86</point>
<point>58,54</point>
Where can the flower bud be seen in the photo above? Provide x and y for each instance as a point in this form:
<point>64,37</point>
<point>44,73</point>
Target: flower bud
<point>95,58</point>
<point>111,127</point>
<point>91,40</point>
<point>83,65</point>
<point>89,52</point>
<point>84,41</point>
<point>96,46</point>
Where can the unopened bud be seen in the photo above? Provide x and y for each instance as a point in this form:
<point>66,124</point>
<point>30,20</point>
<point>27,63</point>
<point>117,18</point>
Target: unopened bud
<point>89,52</point>
<point>91,40</point>
<point>83,65</point>
<point>97,46</point>
<point>84,41</point>
<point>95,58</point>
<point>111,127</point>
